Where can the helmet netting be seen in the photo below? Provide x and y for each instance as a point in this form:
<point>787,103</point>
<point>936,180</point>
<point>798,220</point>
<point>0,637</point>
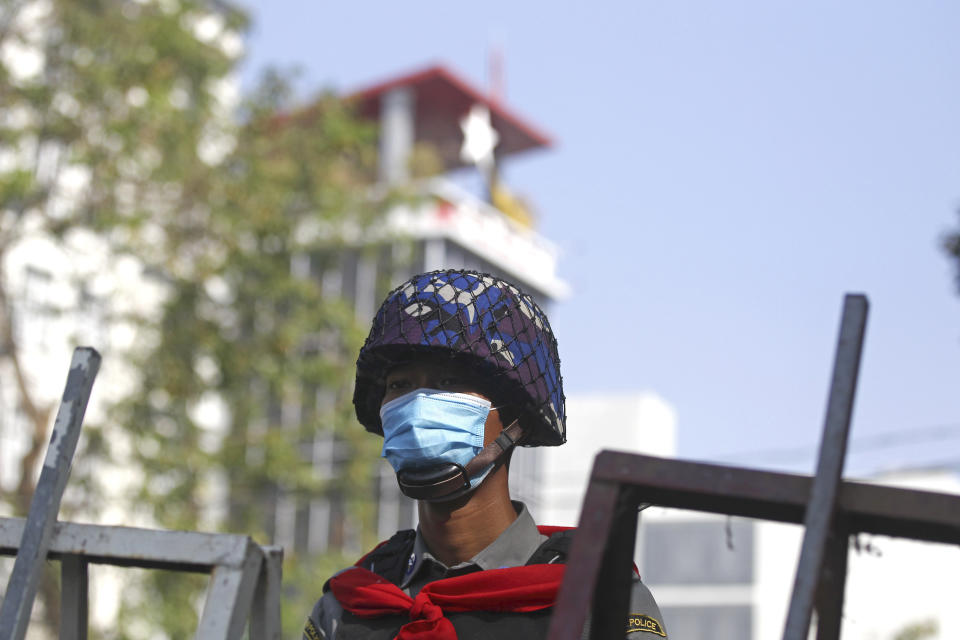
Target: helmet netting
<point>490,322</point>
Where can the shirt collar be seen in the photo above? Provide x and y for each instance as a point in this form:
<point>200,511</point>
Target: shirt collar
<point>512,548</point>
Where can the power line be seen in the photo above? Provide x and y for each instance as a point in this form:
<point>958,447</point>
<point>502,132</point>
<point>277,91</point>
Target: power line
<point>863,444</point>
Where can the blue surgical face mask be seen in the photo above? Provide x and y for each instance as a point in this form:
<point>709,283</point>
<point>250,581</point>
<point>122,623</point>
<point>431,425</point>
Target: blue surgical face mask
<point>427,427</point>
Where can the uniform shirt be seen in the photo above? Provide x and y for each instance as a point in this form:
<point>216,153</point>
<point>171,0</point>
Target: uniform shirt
<point>512,548</point>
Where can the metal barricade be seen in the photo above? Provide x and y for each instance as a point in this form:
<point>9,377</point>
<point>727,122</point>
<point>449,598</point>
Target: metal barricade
<point>245,577</point>
<point>598,577</point>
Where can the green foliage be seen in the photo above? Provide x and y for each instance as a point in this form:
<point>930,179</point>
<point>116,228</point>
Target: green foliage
<point>126,91</point>
<point>103,106</point>
<point>223,214</point>
<point>242,330</point>
<point>303,580</point>
<point>161,600</point>
<point>918,630</point>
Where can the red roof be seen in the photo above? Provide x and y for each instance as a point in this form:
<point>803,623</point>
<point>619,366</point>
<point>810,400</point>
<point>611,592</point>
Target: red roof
<point>441,100</point>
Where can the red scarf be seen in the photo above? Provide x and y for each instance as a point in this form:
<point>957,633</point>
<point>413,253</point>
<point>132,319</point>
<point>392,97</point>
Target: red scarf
<point>520,589</point>
<point>517,589</point>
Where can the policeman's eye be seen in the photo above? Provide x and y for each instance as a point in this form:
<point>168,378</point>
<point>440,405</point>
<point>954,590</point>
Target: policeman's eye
<point>398,384</point>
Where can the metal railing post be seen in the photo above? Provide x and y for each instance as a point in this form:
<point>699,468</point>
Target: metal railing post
<point>832,584</point>
<point>74,602</point>
<point>230,595</point>
<point>833,450</point>
<point>22,585</point>
<point>265,614</point>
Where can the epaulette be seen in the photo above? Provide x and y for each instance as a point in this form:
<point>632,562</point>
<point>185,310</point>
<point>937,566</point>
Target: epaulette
<point>554,550</point>
<point>389,559</point>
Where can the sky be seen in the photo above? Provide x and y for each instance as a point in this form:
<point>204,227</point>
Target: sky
<point>723,174</point>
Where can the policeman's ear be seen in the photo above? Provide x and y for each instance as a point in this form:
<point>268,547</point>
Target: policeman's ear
<point>509,406</point>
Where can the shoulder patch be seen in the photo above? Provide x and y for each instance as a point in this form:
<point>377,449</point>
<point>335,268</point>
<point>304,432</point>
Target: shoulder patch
<point>310,632</point>
<point>639,622</point>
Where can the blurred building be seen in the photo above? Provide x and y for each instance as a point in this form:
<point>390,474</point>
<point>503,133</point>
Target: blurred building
<point>731,578</point>
<point>440,223</point>
<point>727,578</point>
<point>637,422</point>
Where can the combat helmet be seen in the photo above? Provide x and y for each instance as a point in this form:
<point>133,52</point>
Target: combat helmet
<point>482,319</point>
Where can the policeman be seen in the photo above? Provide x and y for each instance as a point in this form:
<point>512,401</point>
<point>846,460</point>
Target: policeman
<point>458,369</point>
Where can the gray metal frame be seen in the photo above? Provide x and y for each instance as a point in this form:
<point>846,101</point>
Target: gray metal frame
<point>245,577</point>
<point>598,571</point>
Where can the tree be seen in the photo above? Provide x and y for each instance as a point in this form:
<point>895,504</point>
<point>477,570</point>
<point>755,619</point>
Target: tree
<point>120,154</point>
<point>951,244</point>
<point>918,630</point>
<point>252,359</point>
<point>111,121</point>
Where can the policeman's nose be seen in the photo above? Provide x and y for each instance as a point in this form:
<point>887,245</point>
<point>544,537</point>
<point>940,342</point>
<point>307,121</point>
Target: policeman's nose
<point>424,381</point>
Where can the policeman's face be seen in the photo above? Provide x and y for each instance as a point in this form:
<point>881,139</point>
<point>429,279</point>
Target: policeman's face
<point>443,375</point>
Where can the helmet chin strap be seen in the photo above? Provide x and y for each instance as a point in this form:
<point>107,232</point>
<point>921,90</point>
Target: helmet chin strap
<point>449,480</point>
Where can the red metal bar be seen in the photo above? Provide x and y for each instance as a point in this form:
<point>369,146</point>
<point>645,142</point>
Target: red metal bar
<point>920,515</point>
<point>611,597</point>
<point>586,555</point>
<point>830,508</point>
<point>768,495</point>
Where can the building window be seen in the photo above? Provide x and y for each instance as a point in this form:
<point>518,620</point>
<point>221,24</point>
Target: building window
<point>703,552</point>
<point>716,623</point>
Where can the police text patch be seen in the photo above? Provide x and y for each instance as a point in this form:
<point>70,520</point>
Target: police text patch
<point>310,632</point>
<point>639,622</point>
